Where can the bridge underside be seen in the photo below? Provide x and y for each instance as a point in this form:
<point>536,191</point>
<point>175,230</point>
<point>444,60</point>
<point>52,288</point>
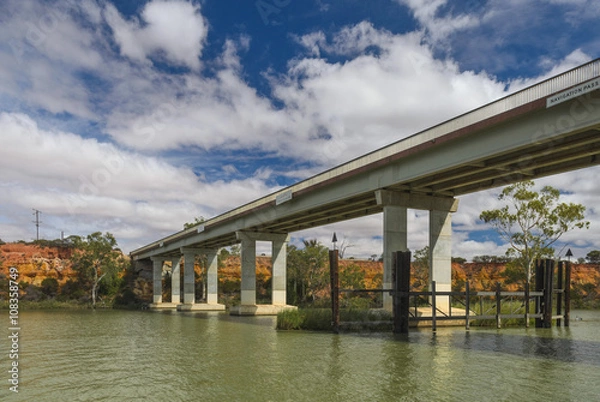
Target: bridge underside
<point>427,171</point>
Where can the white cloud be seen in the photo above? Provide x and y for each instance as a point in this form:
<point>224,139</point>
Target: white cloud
<point>100,185</point>
<point>174,30</point>
<point>353,91</point>
<point>438,28</point>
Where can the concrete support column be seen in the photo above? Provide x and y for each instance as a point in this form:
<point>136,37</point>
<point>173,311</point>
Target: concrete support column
<point>395,234</point>
<point>212,280</point>
<point>176,280</point>
<point>395,238</point>
<point>189,277</point>
<point>248,257</point>
<point>248,304</point>
<point>278,280</point>
<point>157,267</point>
<point>440,254</point>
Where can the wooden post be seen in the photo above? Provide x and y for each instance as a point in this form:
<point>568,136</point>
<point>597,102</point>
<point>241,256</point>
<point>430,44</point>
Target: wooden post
<point>401,281</point>
<point>467,304</point>
<point>335,290</point>
<point>560,286</point>
<point>548,292</point>
<point>526,306</point>
<point>567,293</point>
<point>433,307</point>
<point>539,287</point>
<point>498,306</point>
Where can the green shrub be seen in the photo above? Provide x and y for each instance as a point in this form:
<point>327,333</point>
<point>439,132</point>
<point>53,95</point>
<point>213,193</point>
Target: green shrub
<point>290,319</point>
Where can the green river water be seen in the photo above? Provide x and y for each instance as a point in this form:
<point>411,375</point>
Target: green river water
<point>169,356</point>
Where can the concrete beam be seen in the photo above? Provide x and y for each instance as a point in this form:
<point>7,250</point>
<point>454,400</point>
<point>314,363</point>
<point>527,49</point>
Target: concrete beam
<point>260,236</point>
<point>416,201</point>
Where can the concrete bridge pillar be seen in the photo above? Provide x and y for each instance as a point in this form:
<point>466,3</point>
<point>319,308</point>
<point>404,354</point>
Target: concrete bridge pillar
<point>157,267</point>
<point>157,273</point>
<point>395,236</point>
<point>248,304</point>
<point>279,278</point>
<point>212,279</point>
<point>440,254</point>
<point>189,277</point>
<point>189,280</point>
<point>176,280</point>
<point>248,261</point>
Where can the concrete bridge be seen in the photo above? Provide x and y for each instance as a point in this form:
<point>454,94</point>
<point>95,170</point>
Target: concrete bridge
<point>549,128</point>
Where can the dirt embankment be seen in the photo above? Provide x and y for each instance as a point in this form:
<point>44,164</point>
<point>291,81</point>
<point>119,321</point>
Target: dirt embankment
<point>37,263</point>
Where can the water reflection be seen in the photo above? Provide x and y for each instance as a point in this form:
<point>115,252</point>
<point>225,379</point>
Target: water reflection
<point>544,344</point>
<point>108,356</point>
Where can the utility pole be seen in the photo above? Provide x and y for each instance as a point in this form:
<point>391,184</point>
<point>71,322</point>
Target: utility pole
<point>37,222</point>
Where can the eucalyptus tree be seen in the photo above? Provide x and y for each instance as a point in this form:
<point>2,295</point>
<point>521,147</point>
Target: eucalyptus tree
<point>97,260</point>
<point>532,221</point>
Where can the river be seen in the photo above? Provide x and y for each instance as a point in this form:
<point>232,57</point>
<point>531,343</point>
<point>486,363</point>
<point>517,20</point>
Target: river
<point>167,356</point>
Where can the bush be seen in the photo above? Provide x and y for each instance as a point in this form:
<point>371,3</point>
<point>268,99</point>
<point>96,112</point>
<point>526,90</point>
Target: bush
<point>290,319</point>
<point>319,319</point>
<point>50,287</point>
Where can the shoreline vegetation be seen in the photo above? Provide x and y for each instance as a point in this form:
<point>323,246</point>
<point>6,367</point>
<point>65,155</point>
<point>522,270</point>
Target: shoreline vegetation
<point>51,276</point>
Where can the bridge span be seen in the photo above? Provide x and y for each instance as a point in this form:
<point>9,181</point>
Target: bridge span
<point>551,127</point>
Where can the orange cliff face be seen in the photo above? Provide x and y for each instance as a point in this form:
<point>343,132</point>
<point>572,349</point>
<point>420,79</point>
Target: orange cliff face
<point>36,263</point>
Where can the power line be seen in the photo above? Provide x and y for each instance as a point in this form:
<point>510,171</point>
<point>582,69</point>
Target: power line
<point>37,222</point>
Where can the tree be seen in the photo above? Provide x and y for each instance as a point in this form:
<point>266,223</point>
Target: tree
<point>593,257</point>
<point>97,259</point>
<point>307,271</point>
<point>49,287</point>
<point>532,222</point>
<point>420,269</point>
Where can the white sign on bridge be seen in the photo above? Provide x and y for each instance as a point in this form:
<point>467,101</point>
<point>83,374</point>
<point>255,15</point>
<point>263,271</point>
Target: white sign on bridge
<point>573,93</point>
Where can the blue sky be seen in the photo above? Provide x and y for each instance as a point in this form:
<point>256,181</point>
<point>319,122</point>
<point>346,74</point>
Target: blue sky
<point>136,116</point>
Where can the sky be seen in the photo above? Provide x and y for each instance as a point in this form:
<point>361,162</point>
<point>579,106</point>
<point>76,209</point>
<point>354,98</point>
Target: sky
<point>135,117</point>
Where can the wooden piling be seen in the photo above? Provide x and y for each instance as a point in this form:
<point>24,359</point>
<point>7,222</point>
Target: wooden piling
<point>567,293</point>
<point>401,281</point>
<point>498,306</point>
<point>335,290</point>
<point>548,292</point>
<point>560,295</point>
<point>467,304</point>
<point>433,307</point>
<point>539,287</point>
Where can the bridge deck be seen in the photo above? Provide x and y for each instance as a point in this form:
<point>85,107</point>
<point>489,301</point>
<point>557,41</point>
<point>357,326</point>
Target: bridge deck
<point>549,128</point>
